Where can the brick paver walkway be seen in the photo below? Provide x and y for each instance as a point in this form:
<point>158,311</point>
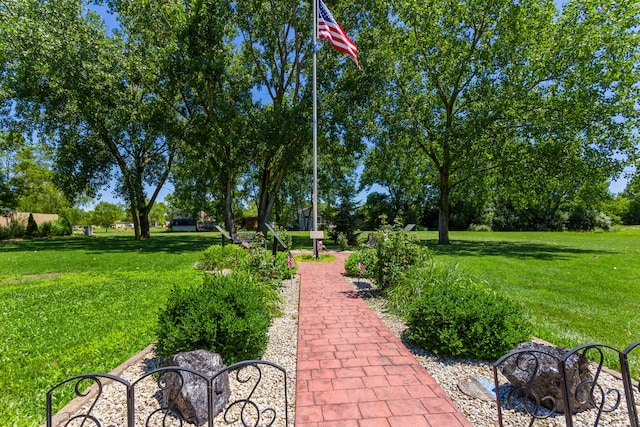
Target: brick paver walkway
<point>352,371</point>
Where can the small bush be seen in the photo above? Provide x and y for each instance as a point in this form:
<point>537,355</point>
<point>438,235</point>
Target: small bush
<point>226,315</point>
<point>45,229</point>
<point>341,241</point>
<point>62,227</point>
<point>16,230</point>
<point>32,227</point>
<point>466,320</point>
<point>367,257</point>
<point>396,252</point>
<point>218,257</point>
<point>281,268</point>
<point>479,227</point>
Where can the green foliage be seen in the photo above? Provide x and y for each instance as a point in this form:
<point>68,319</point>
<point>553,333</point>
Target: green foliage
<point>367,257</point>
<point>341,241</point>
<point>45,229</point>
<point>226,315</point>
<point>32,227</point>
<point>346,219</point>
<point>479,227</point>
<point>396,252</point>
<point>286,238</point>
<point>463,319</point>
<point>217,257</point>
<point>62,227</point>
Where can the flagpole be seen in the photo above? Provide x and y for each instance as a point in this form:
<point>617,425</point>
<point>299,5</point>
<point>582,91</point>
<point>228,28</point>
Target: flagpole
<point>315,130</point>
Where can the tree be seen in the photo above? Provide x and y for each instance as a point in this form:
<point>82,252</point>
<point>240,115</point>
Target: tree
<point>397,165</point>
<point>9,187</point>
<point>275,42</point>
<point>345,217</point>
<point>106,214</point>
<point>159,213</point>
<point>632,194</point>
<point>482,87</point>
<point>93,94</point>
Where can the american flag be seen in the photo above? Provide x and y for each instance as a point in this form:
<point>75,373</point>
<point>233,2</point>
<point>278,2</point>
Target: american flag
<point>361,267</point>
<point>328,28</point>
<point>290,262</point>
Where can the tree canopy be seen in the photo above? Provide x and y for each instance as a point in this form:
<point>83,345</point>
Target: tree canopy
<point>479,105</point>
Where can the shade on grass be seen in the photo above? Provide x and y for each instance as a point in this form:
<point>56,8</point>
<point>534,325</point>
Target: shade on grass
<point>578,288</point>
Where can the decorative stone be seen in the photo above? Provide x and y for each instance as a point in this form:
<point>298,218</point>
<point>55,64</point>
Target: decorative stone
<point>187,392</point>
<point>538,369</point>
<point>477,387</point>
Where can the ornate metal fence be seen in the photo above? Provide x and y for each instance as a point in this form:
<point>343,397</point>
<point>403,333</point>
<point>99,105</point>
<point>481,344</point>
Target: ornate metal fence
<point>257,397</point>
<point>576,392</point>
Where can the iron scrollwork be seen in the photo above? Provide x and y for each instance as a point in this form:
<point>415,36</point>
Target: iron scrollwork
<point>247,404</point>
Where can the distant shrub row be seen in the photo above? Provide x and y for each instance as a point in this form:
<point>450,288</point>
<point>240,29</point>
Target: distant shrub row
<point>230,312</point>
<point>447,312</point>
<point>19,230</point>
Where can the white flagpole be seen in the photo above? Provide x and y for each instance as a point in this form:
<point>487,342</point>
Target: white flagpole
<point>315,130</point>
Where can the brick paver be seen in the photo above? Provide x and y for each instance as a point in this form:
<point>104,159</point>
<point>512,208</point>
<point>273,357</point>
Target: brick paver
<point>352,370</point>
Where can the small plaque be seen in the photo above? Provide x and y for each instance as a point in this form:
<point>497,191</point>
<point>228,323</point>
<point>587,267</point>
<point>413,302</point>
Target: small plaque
<point>477,387</point>
<point>223,232</point>
<point>284,246</point>
<point>317,235</point>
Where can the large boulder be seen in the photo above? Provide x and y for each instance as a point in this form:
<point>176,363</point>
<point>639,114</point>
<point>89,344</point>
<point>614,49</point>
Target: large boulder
<point>187,392</point>
<point>538,368</point>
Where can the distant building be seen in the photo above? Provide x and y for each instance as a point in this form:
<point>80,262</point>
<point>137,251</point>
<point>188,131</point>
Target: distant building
<point>22,217</point>
<point>305,220</point>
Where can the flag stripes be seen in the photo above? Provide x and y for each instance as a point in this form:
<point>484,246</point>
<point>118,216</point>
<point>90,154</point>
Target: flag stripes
<point>329,29</point>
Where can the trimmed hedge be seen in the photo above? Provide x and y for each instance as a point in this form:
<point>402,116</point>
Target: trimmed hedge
<point>465,320</point>
<point>227,314</point>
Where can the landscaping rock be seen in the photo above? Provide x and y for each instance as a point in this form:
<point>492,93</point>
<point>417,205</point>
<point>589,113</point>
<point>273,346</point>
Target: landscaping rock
<point>538,368</point>
<point>187,392</point>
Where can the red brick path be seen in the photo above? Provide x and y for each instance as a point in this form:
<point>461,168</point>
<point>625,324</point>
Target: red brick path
<point>352,371</point>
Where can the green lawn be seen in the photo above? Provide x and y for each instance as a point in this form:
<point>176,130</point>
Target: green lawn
<point>578,288</point>
<point>79,305</point>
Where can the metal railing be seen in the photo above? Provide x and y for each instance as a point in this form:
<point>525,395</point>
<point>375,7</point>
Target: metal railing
<point>608,397</point>
<point>258,397</point>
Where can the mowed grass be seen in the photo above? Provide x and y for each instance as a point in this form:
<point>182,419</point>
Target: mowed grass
<point>80,305</point>
<point>578,288</point>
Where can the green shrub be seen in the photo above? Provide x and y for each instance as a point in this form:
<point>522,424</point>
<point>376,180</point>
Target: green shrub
<point>367,257</point>
<point>218,257</point>
<point>16,230</point>
<point>479,227</point>
<point>396,252</point>
<point>285,237</point>
<point>281,268</point>
<point>341,241</point>
<point>226,315</point>
<point>463,319</point>
<point>4,233</point>
<point>45,229</point>
<point>62,227</point>
<point>32,227</point>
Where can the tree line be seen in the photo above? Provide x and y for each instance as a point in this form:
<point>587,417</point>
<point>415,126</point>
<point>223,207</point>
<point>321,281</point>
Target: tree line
<point>510,114</point>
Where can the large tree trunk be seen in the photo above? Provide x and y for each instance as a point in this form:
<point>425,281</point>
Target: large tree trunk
<point>271,183</point>
<point>443,216</point>
<point>228,207</point>
<point>145,232</point>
